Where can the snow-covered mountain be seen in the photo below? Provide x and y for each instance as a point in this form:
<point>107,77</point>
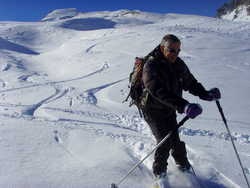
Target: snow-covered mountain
<point>63,80</point>
<point>237,10</point>
<point>61,14</point>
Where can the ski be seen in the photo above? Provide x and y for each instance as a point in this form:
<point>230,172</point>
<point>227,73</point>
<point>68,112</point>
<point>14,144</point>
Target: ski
<point>161,183</point>
<point>187,178</point>
<point>178,179</point>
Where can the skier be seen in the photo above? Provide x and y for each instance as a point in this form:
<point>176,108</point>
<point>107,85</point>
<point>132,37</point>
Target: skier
<point>164,77</point>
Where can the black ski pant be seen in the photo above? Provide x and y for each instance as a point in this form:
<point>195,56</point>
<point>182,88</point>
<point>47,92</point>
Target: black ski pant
<point>161,122</point>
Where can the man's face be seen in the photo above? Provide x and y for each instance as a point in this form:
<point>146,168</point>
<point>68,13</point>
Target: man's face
<point>171,56</point>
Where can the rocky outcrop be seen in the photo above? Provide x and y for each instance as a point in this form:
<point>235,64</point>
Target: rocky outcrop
<point>222,10</point>
<point>248,10</point>
<point>235,3</point>
<point>236,10</point>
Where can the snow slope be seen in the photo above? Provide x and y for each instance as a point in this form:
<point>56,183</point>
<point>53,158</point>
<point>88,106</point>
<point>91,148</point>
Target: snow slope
<point>238,14</point>
<point>63,123</point>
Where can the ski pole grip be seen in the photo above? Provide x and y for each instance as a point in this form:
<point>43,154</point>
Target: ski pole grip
<point>221,111</point>
<point>180,123</point>
<point>113,185</point>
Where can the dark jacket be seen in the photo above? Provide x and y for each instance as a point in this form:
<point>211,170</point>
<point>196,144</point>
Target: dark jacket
<point>165,81</point>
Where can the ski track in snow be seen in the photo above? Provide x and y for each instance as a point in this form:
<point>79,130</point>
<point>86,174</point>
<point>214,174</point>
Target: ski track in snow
<point>241,138</point>
<point>60,91</point>
<point>3,83</point>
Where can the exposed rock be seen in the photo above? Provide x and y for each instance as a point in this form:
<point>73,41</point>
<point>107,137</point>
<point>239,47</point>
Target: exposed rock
<point>222,10</point>
<point>235,3</point>
<point>248,10</point>
<point>236,10</point>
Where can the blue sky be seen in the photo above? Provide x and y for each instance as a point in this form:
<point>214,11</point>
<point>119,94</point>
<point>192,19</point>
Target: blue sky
<point>35,10</point>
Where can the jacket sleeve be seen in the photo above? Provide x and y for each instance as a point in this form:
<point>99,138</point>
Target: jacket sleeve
<point>155,87</point>
<point>191,84</point>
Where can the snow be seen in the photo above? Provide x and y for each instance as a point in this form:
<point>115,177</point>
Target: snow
<point>238,14</point>
<point>61,14</point>
<point>63,123</point>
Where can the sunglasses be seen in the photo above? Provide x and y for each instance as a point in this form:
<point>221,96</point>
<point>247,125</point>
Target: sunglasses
<point>173,50</point>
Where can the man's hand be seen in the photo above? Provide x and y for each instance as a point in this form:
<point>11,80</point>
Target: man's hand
<point>193,110</point>
<point>213,94</point>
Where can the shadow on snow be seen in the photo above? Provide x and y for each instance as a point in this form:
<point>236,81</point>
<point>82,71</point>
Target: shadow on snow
<point>7,45</point>
<point>88,24</point>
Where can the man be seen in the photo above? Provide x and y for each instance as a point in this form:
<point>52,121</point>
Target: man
<point>164,78</point>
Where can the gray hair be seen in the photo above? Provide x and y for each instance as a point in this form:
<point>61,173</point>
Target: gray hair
<point>168,39</point>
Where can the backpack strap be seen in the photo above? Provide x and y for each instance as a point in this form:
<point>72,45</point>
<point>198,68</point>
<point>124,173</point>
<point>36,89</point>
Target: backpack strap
<point>126,98</point>
<point>145,95</point>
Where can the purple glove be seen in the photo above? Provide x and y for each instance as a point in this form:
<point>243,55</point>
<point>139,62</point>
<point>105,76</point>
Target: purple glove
<point>193,110</point>
<point>213,94</point>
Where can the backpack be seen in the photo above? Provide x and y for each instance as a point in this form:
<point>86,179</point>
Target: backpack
<point>135,84</point>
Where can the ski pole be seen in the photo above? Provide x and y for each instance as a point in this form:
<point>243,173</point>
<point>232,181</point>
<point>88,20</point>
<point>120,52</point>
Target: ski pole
<point>113,185</point>
<point>225,122</point>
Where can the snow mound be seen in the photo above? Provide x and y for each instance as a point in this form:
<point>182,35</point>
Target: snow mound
<point>61,14</point>
<point>123,16</point>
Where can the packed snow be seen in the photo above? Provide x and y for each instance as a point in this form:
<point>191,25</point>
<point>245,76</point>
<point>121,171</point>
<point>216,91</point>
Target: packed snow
<point>238,14</point>
<point>63,80</point>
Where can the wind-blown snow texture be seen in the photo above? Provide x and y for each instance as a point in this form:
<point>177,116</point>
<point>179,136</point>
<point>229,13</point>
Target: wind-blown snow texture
<point>63,80</point>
